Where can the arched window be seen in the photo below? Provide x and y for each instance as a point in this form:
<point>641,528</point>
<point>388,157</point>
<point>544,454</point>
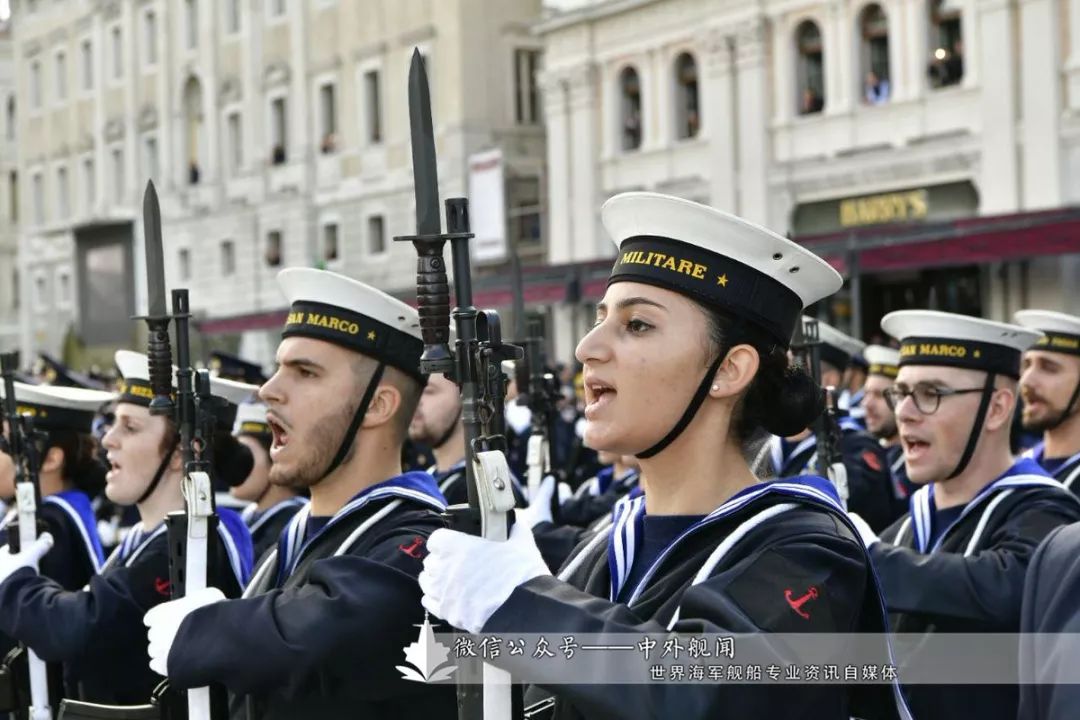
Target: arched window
<point>193,129</point>
<point>874,28</point>
<point>687,107</point>
<point>946,44</point>
<point>630,115</point>
<point>810,70</point>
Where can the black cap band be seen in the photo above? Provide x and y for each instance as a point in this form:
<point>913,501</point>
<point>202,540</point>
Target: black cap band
<point>712,279</point>
<point>834,356</point>
<point>358,332</point>
<point>969,354</point>
<point>47,417</point>
<point>134,391</point>
<point>253,427</point>
<point>1058,342</point>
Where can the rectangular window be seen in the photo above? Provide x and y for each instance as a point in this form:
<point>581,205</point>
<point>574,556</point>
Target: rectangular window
<point>16,294</point>
<point>228,258</point>
<point>150,37</point>
<point>330,242</point>
<point>273,248</point>
<point>236,142</point>
<point>61,76</point>
<point>150,158</point>
<point>117,53</point>
<point>278,131</point>
<point>526,97</point>
<point>191,23</point>
<point>376,235</point>
<point>328,119</point>
<point>232,16</point>
<point>373,113</point>
<point>41,297</point>
<point>118,175</point>
<point>86,54</point>
<point>277,8</point>
<point>13,195</point>
<point>63,194</point>
<point>39,199</point>
<point>35,84</point>
<point>63,289</point>
<point>185,264</point>
<point>89,183</point>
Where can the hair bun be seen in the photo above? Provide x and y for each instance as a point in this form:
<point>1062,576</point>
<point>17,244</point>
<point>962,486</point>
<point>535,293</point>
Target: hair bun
<point>783,399</point>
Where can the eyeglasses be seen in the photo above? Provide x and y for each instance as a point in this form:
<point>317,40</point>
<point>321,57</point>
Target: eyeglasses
<point>927,397</point>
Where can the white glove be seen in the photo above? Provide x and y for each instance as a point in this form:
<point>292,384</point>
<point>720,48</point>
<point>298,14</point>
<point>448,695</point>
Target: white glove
<point>28,557</point>
<point>539,507</point>
<point>164,622</point>
<point>869,537</point>
<point>467,578</point>
<point>565,493</point>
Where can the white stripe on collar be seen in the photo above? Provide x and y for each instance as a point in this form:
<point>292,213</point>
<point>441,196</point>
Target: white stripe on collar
<point>84,533</point>
<point>273,511</point>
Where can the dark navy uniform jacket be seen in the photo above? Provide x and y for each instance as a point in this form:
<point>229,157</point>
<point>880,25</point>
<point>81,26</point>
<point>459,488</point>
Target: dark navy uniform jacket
<point>557,542</point>
<point>1067,472</point>
<point>265,527</point>
<point>902,486</point>
<point>98,632</point>
<point>597,497</point>
<point>971,578</point>
<point>870,491</point>
<point>1050,665</point>
<point>326,620</point>
<point>790,534</point>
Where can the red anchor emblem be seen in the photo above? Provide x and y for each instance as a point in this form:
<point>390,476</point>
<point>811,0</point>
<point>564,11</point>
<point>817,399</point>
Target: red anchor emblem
<point>162,586</point>
<point>797,603</point>
<point>413,550</point>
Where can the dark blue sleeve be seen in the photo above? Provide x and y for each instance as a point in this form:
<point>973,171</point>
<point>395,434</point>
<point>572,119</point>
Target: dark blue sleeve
<point>354,617</point>
<point>63,626</point>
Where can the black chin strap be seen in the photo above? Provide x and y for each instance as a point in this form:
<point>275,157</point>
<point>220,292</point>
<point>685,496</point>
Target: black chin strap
<point>980,418</point>
<point>162,466</point>
<point>358,417</point>
<point>449,431</point>
<point>1066,413</point>
<point>691,410</point>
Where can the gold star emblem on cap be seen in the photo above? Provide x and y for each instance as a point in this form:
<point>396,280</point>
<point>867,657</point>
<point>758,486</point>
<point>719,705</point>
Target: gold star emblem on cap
<point>722,280</point>
<point>978,354</point>
<point>371,335</point>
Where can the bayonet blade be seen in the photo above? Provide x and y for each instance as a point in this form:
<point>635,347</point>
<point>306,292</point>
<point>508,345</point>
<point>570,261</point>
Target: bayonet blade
<point>425,169</point>
<point>155,254</point>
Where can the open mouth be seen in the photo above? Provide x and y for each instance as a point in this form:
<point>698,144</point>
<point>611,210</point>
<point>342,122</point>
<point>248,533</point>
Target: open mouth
<point>598,395</point>
<point>914,448</point>
<point>280,435</point>
<point>114,468</point>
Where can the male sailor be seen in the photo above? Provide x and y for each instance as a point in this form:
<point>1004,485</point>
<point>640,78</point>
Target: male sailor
<point>327,615</point>
<point>956,563</point>
<point>1050,388</point>
<point>883,363</point>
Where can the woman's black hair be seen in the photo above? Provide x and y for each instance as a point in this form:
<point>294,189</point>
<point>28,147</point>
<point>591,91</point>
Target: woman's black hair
<point>782,398</point>
<point>82,463</point>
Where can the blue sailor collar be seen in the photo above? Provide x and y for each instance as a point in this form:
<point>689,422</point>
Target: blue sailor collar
<point>1025,472</point>
<point>255,520</point>
<point>416,486</point>
<point>629,519</point>
<point>1038,454</point>
<point>76,504</point>
<point>234,535</point>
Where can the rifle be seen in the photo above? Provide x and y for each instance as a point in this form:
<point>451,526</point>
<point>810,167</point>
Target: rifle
<point>806,348</point>
<point>474,364</point>
<point>191,531</point>
<point>540,396</point>
<point>24,444</point>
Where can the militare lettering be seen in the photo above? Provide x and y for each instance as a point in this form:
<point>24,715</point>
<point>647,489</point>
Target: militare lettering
<point>668,262</point>
<point>1057,341</point>
<point>325,321</point>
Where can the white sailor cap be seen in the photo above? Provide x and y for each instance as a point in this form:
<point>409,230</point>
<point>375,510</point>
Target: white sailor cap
<point>1061,331</point>
<point>234,391</point>
<point>331,307</point>
<point>134,383</point>
<point>251,420</point>
<point>717,259</point>
<point>882,360</point>
<point>930,337</point>
<point>56,407</point>
<point>837,349</point>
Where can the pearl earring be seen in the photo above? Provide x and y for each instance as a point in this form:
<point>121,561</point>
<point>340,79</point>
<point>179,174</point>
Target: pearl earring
<point>715,387</point>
